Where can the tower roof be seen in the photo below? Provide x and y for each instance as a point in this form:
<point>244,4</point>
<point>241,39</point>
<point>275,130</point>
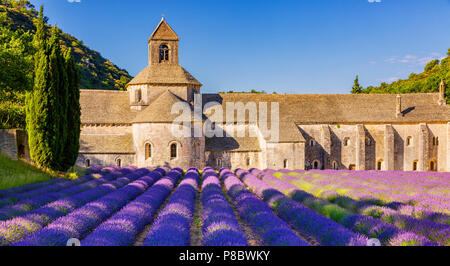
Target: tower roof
<point>160,110</point>
<point>164,32</point>
<point>164,74</point>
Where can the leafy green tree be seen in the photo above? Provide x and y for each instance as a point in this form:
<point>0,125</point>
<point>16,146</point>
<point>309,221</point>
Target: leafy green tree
<point>356,87</point>
<point>431,65</point>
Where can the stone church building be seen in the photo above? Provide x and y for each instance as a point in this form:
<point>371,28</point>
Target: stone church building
<point>322,131</point>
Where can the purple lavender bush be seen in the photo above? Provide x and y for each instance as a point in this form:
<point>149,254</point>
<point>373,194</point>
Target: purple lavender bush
<point>326,231</point>
<point>220,226</point>
<point>81,221</point>
<point>368,226</point>
<point>272,230</point>
<point>172,227</point>
<point>17,190</point>
<point>123,227</point>
<point>14,230</point>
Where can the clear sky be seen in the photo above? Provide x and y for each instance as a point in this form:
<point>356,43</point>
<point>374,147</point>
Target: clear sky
<point>288,46</point>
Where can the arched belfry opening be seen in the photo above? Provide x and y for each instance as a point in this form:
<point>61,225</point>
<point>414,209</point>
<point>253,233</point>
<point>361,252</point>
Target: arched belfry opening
<point>163,53</point>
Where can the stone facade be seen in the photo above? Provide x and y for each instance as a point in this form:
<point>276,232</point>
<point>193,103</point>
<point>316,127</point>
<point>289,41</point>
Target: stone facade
<point>325,131</point>
<point>361,132</point>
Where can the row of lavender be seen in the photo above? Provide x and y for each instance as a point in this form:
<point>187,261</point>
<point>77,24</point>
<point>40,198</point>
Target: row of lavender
<point>372,228</point>
<point>120,205</point>
<point>425,191</point>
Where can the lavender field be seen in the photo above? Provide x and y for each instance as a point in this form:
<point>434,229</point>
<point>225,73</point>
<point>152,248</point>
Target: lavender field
<point>174,207</point>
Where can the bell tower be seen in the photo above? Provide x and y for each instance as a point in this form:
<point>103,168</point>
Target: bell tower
<point>163,45</point>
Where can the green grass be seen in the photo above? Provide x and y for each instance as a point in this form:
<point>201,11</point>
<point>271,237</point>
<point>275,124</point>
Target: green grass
<point>17,173</point>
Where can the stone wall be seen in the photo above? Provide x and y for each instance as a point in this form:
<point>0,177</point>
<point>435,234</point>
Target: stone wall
<point>14,144</point>
<point>393,147</point>
<point>105,159</point>
<point>291,154</point>
<point>234,160</point>
<point>160,137</point>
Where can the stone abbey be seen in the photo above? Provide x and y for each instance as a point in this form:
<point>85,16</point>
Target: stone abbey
<point>406,132</point>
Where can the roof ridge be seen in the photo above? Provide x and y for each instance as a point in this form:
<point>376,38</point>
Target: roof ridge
<point>94,90</point>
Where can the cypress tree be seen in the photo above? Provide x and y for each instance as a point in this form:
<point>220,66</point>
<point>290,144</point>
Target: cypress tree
<point>59,90</point>
<point>38,109</point>
<point>47,104</point>
<point>356,87</point>
<point>72,144</point>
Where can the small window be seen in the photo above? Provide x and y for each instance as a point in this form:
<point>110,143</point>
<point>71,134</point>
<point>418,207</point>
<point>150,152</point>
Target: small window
<point>352,167</point>
<point>435,141</point>
<point>148,151</point>
<point>197,150</point>
<point>219,162</point>
<point>380,165</point>
<point>173,151</point>
<point>138,95</point>
<point>312,143</point>
<point>163,53</point>
<point>368,141</point>
<point>415,165</point>
<point>346,141</point>
<point>119,162</point>
<point>88,163</point>
<point>248,161</point>
<point>285,164</point>
<point>409,141</point>
<point>316,164</point>
<point>432,166</point>
<point>335,165</point>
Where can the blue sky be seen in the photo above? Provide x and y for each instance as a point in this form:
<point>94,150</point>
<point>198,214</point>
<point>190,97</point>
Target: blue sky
<point>288,46</point>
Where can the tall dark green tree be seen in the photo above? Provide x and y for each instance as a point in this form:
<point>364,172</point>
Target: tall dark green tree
<point>72,144</point>
<point>39,103</point>
<point>356,87</point>
<point>59,92</point>
<point>47,104</point>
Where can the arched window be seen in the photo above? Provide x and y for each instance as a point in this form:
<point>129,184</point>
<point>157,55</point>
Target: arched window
<point>312,143</point>
<point>138,95</point>
<point>88,163</point>
<point>415,165</point>
<point>285,164</point>
<point>346,141</point>
<point>380,165</point>
<point>316,164</point>
<point>432,165</point>
<point>248,161</point>
<point>148,151</point>
<point>163,53</point>
<point>435,141</point>
<point>368,141</point>
<point>119,162</point>
<point>219,162</point>
<point>197,150</point>
<point>409,141</point>
<point>173,151</point>
<point>335,165</point>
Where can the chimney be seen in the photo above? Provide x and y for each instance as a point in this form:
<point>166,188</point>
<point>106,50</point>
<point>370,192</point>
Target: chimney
<point>398,106</point>
<point>442,100</point>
